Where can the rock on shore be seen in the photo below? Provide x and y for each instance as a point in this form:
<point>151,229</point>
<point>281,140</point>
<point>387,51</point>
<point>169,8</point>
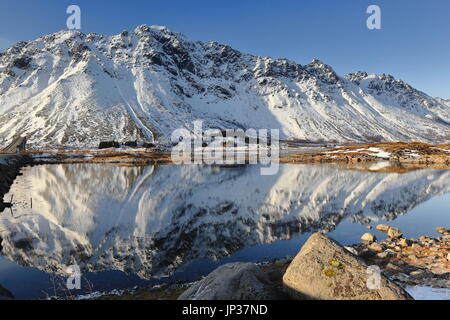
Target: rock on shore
<point>234,281</point>
<point>323,269</point>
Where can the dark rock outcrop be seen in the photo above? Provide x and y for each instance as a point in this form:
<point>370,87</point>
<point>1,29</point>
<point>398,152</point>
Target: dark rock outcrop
<point>148,145</point>
<point>108,144</point>
<point>131,144</point>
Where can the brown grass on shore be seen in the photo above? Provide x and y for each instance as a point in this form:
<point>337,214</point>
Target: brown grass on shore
<point>394,147</point>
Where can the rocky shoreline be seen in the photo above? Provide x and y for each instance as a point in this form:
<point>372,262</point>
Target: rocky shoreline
<point>396,156</point>
<point>323,269</point>
<point>409,262</point>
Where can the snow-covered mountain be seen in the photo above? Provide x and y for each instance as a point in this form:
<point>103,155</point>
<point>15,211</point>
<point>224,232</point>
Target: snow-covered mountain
<point>445,102</point>
<point>151,220</point>
<point>73,89</point>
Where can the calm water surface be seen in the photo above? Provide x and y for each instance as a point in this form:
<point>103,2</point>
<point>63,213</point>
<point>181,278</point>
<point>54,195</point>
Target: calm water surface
<point>127,226</point>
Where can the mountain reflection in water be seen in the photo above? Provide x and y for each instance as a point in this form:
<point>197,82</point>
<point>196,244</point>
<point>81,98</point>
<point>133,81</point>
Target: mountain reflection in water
<point>149,221</point>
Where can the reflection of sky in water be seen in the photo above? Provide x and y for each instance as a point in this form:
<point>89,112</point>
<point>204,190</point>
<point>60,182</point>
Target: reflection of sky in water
<point>29,282</point>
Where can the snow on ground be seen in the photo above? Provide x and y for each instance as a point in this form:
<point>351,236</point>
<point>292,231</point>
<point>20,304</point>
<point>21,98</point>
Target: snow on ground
<point>346,151</point>
<point>379,153</point>
<point>375,152</point>
<point>429,293</point>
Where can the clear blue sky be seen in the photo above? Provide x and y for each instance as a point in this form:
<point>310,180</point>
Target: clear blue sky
<point>413,45</point>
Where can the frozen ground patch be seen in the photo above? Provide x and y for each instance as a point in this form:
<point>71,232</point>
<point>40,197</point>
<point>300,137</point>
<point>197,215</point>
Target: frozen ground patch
<point>428,293</point>
<point>379,153</point>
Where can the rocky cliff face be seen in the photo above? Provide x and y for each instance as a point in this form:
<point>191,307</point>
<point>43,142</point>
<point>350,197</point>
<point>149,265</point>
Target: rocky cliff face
<point>73,89</point>
<point>151,221</point>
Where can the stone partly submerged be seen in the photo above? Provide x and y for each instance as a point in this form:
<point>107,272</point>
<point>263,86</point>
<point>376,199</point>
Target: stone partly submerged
<point>324,270</point>
<point>234,281</point>
<point>368,237</point>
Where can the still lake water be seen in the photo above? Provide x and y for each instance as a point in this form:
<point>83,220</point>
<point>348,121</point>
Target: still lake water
<point>146,225</point>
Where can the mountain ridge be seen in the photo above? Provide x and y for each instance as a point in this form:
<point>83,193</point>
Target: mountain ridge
<point>75,89</point>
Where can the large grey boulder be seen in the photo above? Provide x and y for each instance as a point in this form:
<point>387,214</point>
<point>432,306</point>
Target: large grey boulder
<point>234,281</point>
<point>325,270</point>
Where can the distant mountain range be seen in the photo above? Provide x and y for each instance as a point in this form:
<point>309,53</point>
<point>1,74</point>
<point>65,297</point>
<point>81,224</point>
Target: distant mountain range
<point>72,89</point>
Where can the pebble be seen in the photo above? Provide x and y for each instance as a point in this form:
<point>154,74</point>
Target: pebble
<point>443,231</point>
<point>417,273</point>
<point>412,257</point>
<point>366,254</point>
<point>352,250</point>
<point>387,254</point>
<point>376,247</point>
<point>394,233</point>
<point>404,242</point>
<point>393,267</point>
<point>383,228</point>
<point>368,237</point>
<point>401,277</point>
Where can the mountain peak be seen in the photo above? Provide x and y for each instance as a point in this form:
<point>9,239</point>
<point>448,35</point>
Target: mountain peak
<point>322,71</point>
<point>356,76</point>
<point>317,62</point>
<point>157,30</point>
